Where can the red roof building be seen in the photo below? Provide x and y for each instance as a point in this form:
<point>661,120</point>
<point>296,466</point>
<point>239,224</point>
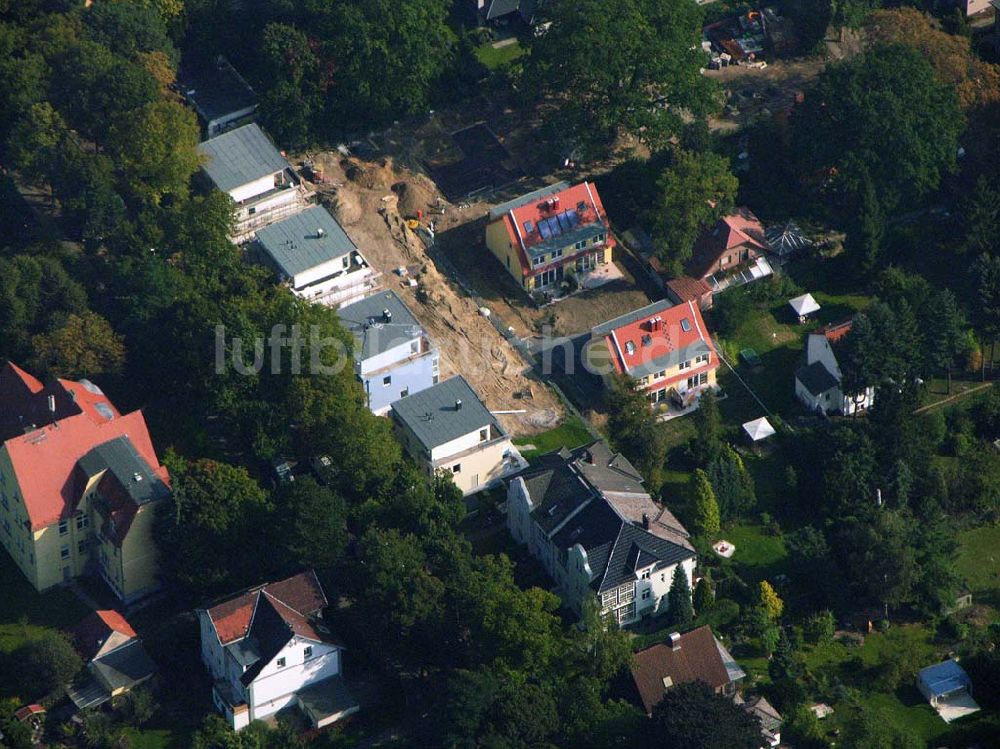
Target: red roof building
<point>75,477</point>
<point>546,236</point>
<point>732,240</point>
<point>666,348</point>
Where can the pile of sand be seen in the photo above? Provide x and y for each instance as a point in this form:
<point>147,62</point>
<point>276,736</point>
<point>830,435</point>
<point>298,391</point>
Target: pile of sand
<point>413,197</point>
<point>375,176</point>
<point>345,206</point>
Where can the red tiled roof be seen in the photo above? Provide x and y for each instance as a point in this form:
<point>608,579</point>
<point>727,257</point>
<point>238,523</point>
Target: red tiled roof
<point>294,598</point>
<point>697,659</point>
<point>837,330</point>
<point>581,198</point>
<point>91,633</point>
<point>657,335</point>
<point>738,229</point>
<point>44,459</point>
<point>688,289</point>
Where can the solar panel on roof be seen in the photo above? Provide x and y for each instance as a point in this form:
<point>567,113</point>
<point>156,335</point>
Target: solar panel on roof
<point>554,226</point>
<point>573,217</point>
<point>564,221</point>
<point>544,230</point>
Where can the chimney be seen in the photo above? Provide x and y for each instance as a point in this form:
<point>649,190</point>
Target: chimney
<point>320,233</point>
<point>674,638</point>
<point>386,315</point>
<point>458,404</point>
<point>52,405</point>
<point>645,521</point>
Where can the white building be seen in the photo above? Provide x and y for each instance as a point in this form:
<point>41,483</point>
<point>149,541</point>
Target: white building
<point>586,517</point>
<point>447,428</point>
<point>246,165</point>
<point>817,382</point>
<point>313,254</point>
<point>267,649</point>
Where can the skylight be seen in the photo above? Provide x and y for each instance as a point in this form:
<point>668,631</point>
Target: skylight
<point>685,325</point>
<point>629,347</point>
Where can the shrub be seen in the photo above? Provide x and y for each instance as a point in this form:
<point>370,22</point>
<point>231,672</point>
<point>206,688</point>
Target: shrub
<point>819,628</point>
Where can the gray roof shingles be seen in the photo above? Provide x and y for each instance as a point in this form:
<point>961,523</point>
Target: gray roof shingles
<point>304,240</point>
<point>365,319</point>
<point>240,156</point>
<point>133,473</point>
<point>433,418</point>
<point>816,378</point>
<point>630,317</point>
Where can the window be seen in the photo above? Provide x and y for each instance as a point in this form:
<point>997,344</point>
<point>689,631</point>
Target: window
<point>646,574</point>
<point>404,392</point>
<point>484,434</point>
<point>82,522</point>
<point>703,378</point>
<point>660,375</point>
<point>386,381</point>
<point>457,468</point>
<point>663,577</point>
<point>557,254</point>
<point>685,365</point>
<point>540,260</point>
<point>580,245</point>
<point>281,663</point>
<point>251,211</point>
<point>63,527</point>
<point>308,652</point>
<point>81,547</point>
<point>64,552</point>
<point>645,595</point>
<point>414,347</point>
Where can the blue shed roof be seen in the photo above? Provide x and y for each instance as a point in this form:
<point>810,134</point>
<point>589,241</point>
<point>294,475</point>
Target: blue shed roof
<point>944,678</point>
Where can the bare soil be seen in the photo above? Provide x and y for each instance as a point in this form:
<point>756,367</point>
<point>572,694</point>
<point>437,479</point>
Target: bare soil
<point>366,198</point>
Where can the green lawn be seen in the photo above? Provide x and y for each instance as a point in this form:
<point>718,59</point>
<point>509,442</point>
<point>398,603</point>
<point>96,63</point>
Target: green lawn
<point>758,554</point>
<point>979,558</point>
<point>496,57</point>
<point>571,433</point>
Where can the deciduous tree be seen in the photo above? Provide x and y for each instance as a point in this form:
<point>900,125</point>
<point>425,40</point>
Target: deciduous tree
<point>693,716</point>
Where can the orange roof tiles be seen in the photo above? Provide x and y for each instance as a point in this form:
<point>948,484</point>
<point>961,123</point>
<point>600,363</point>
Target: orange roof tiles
<point>44,459</point>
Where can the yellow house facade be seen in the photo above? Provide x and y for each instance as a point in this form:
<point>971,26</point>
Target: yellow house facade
<point>78,495</point>
<point>551,234</point>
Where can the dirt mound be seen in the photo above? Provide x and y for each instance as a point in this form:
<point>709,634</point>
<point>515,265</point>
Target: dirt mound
<point>376,176</point>
<point>412,198</point>
<point>346,206</point>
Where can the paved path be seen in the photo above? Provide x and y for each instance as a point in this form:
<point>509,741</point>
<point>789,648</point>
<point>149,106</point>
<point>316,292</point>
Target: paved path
<point>954,397</point>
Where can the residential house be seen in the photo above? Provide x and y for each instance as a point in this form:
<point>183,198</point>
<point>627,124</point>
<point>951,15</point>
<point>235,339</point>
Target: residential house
<point>115,657</point>
<point>975,7</point>
<point>393,357</point>
<point>697,655</point>
<point>245,164</point>
<point>267,649</point>
<point>80,485</point>
<point>545,237</point>
<point>770,719</point>
<point>312,253</point>
<point>447,428</point>
<point>490,11</point>
<point>731,252</point>
<point>686,289</point>
<point>817,382</point>
<point>218,93</point>
<point>666,348</point>
<point>585,515</point>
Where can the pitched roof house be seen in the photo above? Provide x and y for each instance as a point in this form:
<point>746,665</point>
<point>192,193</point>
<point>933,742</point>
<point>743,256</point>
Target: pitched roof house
<point>246,165</point>
<point>585,515</point>
<point>79,485</point>
<point>547,235</point>
<point>666,348</point>
<point>731,251</point>
<point>393,357</point>
<point>267,649</point>
<point>494,10</point>
<point>817,381</point>
<point>697,655</point>
<point>115,657</point>
<point>448,428</point>
<point>311,252</point>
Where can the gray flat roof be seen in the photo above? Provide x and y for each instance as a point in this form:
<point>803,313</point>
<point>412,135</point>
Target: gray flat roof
<point>373,333</point>
<point>216,89</point>
<point>433,418</point>
<point>133,473</point>
<point>630,317</point>
<point>304,240</point>
<point>240,156</point>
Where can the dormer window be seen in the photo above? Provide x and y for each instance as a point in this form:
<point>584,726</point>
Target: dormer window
<point>280,663</point>
<point>308,652</point>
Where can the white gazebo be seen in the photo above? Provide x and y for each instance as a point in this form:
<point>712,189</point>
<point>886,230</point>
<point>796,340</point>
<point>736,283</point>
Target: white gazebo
<point>803,306</point>
<point>758,429</point>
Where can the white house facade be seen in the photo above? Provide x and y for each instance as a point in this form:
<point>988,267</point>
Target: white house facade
<point>266,650</point>
<point>817,382</point>
<point>585,516</point>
